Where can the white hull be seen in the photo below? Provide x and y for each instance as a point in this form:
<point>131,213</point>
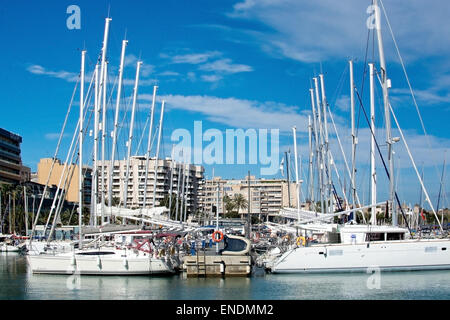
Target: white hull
<point>98,265</point>
<point>9,248</point>
<point>383,256</point>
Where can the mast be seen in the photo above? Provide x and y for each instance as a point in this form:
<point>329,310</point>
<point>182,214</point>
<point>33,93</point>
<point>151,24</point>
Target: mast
<point>95,164</point>
<point>178,192</point>
<point>294,132</point>
<point>157,153</point>
<point>103,125</point>
<point>385,83</point>
<point>147,155</point>
<point>311,174</point>
<point>288,179</point>
<point>316,139</point>
<point>101,90</point>
<point>130,135</point>
<point>186,203</point>
<point>354,140</point>
<point>182,191</point>
<point>172,168</point>
<point>327,148</point>
<point>80,156</point>
<point>116,124</point>
<point>373,180</point>
<point>25,205</point>
<point>324,204</point>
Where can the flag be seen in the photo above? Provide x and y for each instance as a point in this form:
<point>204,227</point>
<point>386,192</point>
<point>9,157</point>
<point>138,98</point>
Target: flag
<point>422,215</point>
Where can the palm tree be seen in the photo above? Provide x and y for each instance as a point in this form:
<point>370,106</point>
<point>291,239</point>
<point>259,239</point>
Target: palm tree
<point>229,206</point>
<point>240,203</point>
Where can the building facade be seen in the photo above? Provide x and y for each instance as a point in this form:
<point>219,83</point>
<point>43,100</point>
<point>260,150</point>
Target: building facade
<point>11,169</point>
<point>268,196</point>
<point>191,176</point>
<point>70,179</point>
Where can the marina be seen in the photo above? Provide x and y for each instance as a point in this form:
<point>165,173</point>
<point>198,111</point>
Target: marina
<point>20,284</point>
<point>112,216</point>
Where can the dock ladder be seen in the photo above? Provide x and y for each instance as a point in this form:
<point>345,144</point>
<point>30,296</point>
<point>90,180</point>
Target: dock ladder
<point>201,263</point>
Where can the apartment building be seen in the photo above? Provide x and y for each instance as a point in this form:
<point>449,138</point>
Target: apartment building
<point>11,169</point>
<point>268,196</point>
<point>190,175</point>
<point>71,173</point>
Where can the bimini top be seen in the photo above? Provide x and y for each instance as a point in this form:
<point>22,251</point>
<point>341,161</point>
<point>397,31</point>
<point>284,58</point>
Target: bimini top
<point>235,246</point>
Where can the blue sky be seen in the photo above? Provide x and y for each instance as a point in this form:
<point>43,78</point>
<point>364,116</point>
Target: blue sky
<point>232,64</point>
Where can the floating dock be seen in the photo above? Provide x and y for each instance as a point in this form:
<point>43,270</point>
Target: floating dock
<point>232,261</point>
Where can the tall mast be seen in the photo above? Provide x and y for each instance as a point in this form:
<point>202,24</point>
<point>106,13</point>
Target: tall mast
<point>95,164</point>
<point>130,135</point>
<point>327,148</point>
<point>99,90</point>
<point>288,179</point>
<point>182,191</point>
<point>116,123</point>
<point>311,174</point>
<point>385,83</point>
<point>354,140</point>
<point>294,132</point>
<point>178,192</point>
<point>157,153</point>
<point>316,139</point>
<point>172,168</point>
<point>373,180</point>
<point>80,156</point>
<point>103,125</point>
<point>25,205</point>
<point>186,203</point>
<point>147,155</point>
<point>324,204</point>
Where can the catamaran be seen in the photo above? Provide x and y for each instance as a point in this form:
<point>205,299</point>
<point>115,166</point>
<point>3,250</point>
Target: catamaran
<point>353,247</point>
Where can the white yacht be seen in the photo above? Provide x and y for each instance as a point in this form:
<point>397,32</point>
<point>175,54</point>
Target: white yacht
<point>356,248</point>
<point>103,261</point>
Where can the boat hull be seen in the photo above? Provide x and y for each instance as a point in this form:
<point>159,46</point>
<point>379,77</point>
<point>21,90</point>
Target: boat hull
<point>83,265</point>
<point>381,256</point>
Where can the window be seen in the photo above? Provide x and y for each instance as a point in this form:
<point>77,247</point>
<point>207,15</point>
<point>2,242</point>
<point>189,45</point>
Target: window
<point>375,236</point>
<point>395,236</point>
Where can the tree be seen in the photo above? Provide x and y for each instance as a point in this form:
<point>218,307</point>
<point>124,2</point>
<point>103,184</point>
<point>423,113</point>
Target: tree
<point>229,207</point>
<point>240,202</point>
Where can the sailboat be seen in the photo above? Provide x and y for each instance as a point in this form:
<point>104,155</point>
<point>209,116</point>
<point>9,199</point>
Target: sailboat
<point>356,247</point>
<point>98,257</point>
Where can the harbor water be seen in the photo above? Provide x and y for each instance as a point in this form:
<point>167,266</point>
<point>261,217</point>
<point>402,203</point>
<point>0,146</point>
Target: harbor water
<point>18,283</point>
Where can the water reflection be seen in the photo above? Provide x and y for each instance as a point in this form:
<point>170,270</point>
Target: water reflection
<point>18,283</point>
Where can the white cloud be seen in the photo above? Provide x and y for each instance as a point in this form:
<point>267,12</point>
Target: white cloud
<point>193,58</point>
<point>225,66</point>
<point>239,113</point>
<point>211,77</point>
<point>65,75</point>
<point>312,31</point>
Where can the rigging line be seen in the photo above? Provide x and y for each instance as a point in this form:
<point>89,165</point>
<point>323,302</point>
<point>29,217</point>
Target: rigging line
<point>382,159</point>
<point>414,165</point>
<point>409,83</point>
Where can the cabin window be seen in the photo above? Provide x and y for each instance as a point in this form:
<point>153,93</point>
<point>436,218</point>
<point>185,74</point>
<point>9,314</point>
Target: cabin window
<point>96,253</point>
<point>375,236</point>
<point>430,249</point>
<point>395,236</point>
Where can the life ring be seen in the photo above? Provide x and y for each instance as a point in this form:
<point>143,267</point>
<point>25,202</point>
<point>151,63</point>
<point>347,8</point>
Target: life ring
<point>301,240</point>
<point>214,236</point>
